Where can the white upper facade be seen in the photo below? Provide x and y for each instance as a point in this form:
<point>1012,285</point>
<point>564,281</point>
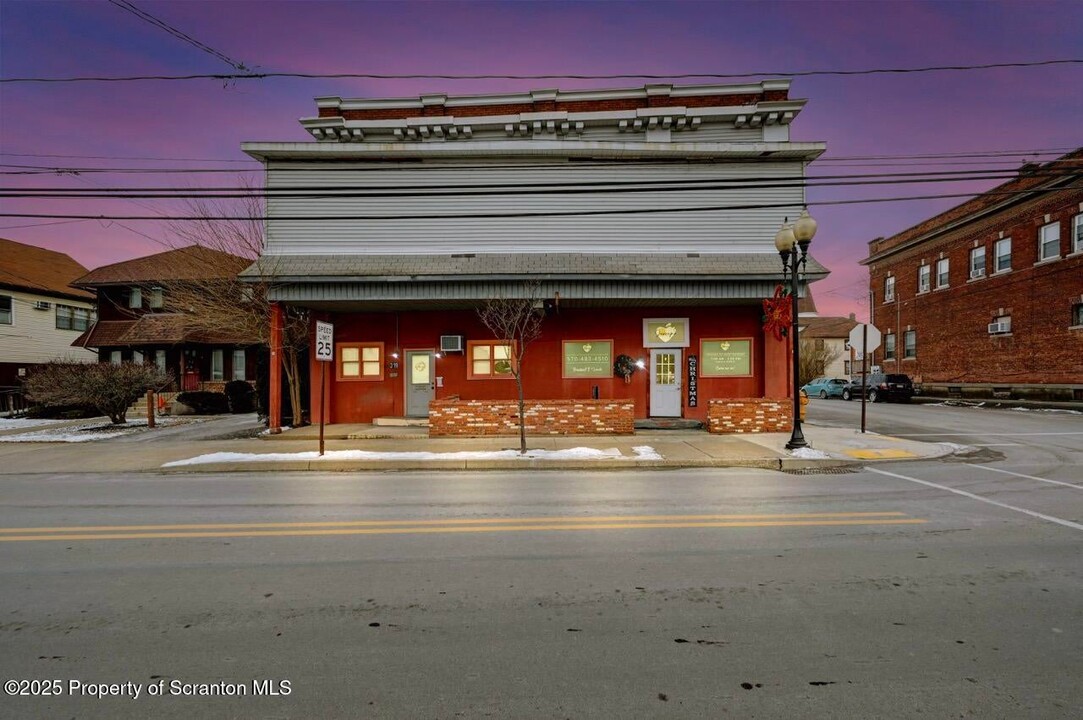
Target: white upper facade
<point>660,169</point>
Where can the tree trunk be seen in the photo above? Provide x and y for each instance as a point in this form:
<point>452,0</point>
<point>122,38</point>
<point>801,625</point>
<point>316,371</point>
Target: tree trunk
<point>522,415</point>
<point>289,365</point>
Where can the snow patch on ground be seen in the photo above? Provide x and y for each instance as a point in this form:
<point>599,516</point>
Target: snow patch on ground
<point>806,453</point>
<point>19,423</point>
<point>643,452</point>
<point>89,431</point>
<point>280,431</point>
<point>1048,410</point>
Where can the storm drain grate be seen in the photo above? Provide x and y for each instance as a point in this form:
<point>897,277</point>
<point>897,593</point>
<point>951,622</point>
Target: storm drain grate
<point>844,470</point>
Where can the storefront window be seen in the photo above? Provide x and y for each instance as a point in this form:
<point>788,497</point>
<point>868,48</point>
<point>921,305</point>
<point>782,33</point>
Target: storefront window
<point>360,361</point>
<point>489,360</point>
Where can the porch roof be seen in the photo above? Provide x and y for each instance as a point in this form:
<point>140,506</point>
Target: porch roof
<point>579,278</point>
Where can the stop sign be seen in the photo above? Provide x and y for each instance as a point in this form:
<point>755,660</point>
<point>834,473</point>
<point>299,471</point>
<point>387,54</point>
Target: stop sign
<point>858,334</point>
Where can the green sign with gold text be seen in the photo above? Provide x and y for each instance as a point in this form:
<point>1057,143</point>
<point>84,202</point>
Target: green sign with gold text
<point>587,358</point>
<point>725,358</point>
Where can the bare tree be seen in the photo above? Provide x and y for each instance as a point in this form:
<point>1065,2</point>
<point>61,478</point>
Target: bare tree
<point>518,322</point>
<point>225,305</point>
<point>108,387</point>
<point>815,358</point>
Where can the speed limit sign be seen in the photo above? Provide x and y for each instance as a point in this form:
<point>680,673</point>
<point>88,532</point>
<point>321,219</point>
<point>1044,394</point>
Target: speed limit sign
<point>325,341</point>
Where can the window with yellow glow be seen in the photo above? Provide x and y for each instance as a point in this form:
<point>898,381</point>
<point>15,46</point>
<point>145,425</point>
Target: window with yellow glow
<point>360,361</point>
<point>489,360</point>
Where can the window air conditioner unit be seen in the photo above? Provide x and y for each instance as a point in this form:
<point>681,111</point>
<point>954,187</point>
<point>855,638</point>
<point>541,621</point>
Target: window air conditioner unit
<point>977,273</point>
<point>995,328</point>
<point>451,343</point>
<point>42,305</point>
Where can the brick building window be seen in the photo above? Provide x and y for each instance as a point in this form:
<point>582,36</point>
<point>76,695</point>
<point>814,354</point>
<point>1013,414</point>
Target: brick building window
<point>489,359</point>
<point>889,346</point>
<point>1077,233</point>
<point>910,344</point>
<point>1002,260</point>
<point>942,273</point>
<point>923,278</point>
<point>1077,315</point>
<point>72,318</point>
<point>889,288</point>
<point>6,310</point>
<point>239,357</point>
<point>360,361</point>
<point>977,262</point>
<point>217,365</point>
<point>1049,241</point>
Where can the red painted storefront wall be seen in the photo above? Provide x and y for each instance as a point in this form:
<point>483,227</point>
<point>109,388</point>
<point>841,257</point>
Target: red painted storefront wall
<point>361,401</point>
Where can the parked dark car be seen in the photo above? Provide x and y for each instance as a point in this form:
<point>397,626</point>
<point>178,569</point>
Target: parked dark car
<point>880,387</point>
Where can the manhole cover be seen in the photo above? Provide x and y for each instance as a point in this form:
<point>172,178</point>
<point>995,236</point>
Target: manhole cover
<point>844,470</point>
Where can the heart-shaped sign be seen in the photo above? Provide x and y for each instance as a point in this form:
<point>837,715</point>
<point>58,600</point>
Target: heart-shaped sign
<point>666,332</point>
<point>587,347</point>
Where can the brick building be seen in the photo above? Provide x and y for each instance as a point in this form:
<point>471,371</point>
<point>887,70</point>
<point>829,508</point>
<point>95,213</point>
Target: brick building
<point>986,299</point>
<point>407,214</point>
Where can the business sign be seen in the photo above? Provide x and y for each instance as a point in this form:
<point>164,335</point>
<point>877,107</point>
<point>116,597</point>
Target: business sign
<point>325,341</point>
<point>726,357</point>
<point>587,359</point>
<point>665,332</point>
<point>693,381</point>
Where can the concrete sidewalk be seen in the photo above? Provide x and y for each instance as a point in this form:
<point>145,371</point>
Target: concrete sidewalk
<point>353,448</point>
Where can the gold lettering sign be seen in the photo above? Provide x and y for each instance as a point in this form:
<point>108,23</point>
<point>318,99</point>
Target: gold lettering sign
<point>587,358</point>
<point>726,357</point>
<point>665,332</point>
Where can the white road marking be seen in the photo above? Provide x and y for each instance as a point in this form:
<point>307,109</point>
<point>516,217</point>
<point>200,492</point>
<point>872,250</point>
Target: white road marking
<point>972,496</point>
<point>983,434</point>
<point>1028,477</point>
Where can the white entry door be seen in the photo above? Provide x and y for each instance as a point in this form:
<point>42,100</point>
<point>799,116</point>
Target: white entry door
<point>665,399</point>
<point>420,385</point>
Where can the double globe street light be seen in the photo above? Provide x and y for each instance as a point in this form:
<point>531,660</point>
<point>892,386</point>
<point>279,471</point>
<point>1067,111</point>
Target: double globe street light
<point>792,243</point>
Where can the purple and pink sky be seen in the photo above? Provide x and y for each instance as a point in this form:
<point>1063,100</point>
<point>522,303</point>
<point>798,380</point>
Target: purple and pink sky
<point>201,123</point>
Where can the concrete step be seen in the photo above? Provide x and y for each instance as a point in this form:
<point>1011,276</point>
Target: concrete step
<point>668,424</point>
<point>401,422</point>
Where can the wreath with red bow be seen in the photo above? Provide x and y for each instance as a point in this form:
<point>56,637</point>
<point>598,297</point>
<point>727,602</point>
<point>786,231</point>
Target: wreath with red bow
<point>778,313</point>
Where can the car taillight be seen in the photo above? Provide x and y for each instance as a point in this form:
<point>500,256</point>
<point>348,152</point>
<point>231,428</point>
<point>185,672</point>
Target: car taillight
<point>883,386</point>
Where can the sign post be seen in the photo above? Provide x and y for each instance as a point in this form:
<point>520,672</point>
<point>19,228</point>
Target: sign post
<point>325,353</point>
<point>864,338</point>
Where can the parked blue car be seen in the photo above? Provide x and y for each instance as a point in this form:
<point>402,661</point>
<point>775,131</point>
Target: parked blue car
<point>825,387</point>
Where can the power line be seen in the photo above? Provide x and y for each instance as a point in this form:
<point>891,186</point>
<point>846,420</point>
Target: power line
<point>183,36</point>
<point>405,166</point>
<point>628,76</point>
<point>490,190</point>
<point>575,213</point>
<point>1011,154</point>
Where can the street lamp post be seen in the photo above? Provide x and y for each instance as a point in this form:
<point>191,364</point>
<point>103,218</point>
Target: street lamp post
<point>792,243</point>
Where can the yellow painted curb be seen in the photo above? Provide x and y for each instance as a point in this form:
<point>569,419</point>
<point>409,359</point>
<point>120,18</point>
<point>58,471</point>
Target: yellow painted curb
<point>884,454</point>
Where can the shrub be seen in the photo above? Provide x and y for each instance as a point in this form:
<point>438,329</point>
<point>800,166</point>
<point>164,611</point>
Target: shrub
<point>204,403</point>
<point>110,388</point>
<point>241,397</point>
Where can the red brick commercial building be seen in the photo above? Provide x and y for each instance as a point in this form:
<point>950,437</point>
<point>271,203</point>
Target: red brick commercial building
<point>646,218</point>
<point>986,299</point>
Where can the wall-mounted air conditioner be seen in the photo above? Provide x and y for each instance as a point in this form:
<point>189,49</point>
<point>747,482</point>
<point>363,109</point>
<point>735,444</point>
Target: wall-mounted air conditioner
<point>42,305</point>
<point>977,273</point>
<point>998,328</point>
<point>451,343</point>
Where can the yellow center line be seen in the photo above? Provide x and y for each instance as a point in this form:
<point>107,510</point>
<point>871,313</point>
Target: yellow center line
<point>443,522</point>
<point>465,529</point>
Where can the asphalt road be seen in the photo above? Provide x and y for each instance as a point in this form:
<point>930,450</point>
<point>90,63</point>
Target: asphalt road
<point>940,589</point>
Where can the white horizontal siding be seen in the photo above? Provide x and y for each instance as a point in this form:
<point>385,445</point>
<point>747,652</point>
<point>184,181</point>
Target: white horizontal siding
<point>33,337</point>
<point>711,231</point>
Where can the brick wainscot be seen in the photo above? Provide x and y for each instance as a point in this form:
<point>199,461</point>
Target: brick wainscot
<point>750,415</point>
<point>543,417</point>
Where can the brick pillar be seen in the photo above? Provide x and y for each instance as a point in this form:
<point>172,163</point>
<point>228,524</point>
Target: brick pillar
<point>274,412</point>
<point>777,366</point>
